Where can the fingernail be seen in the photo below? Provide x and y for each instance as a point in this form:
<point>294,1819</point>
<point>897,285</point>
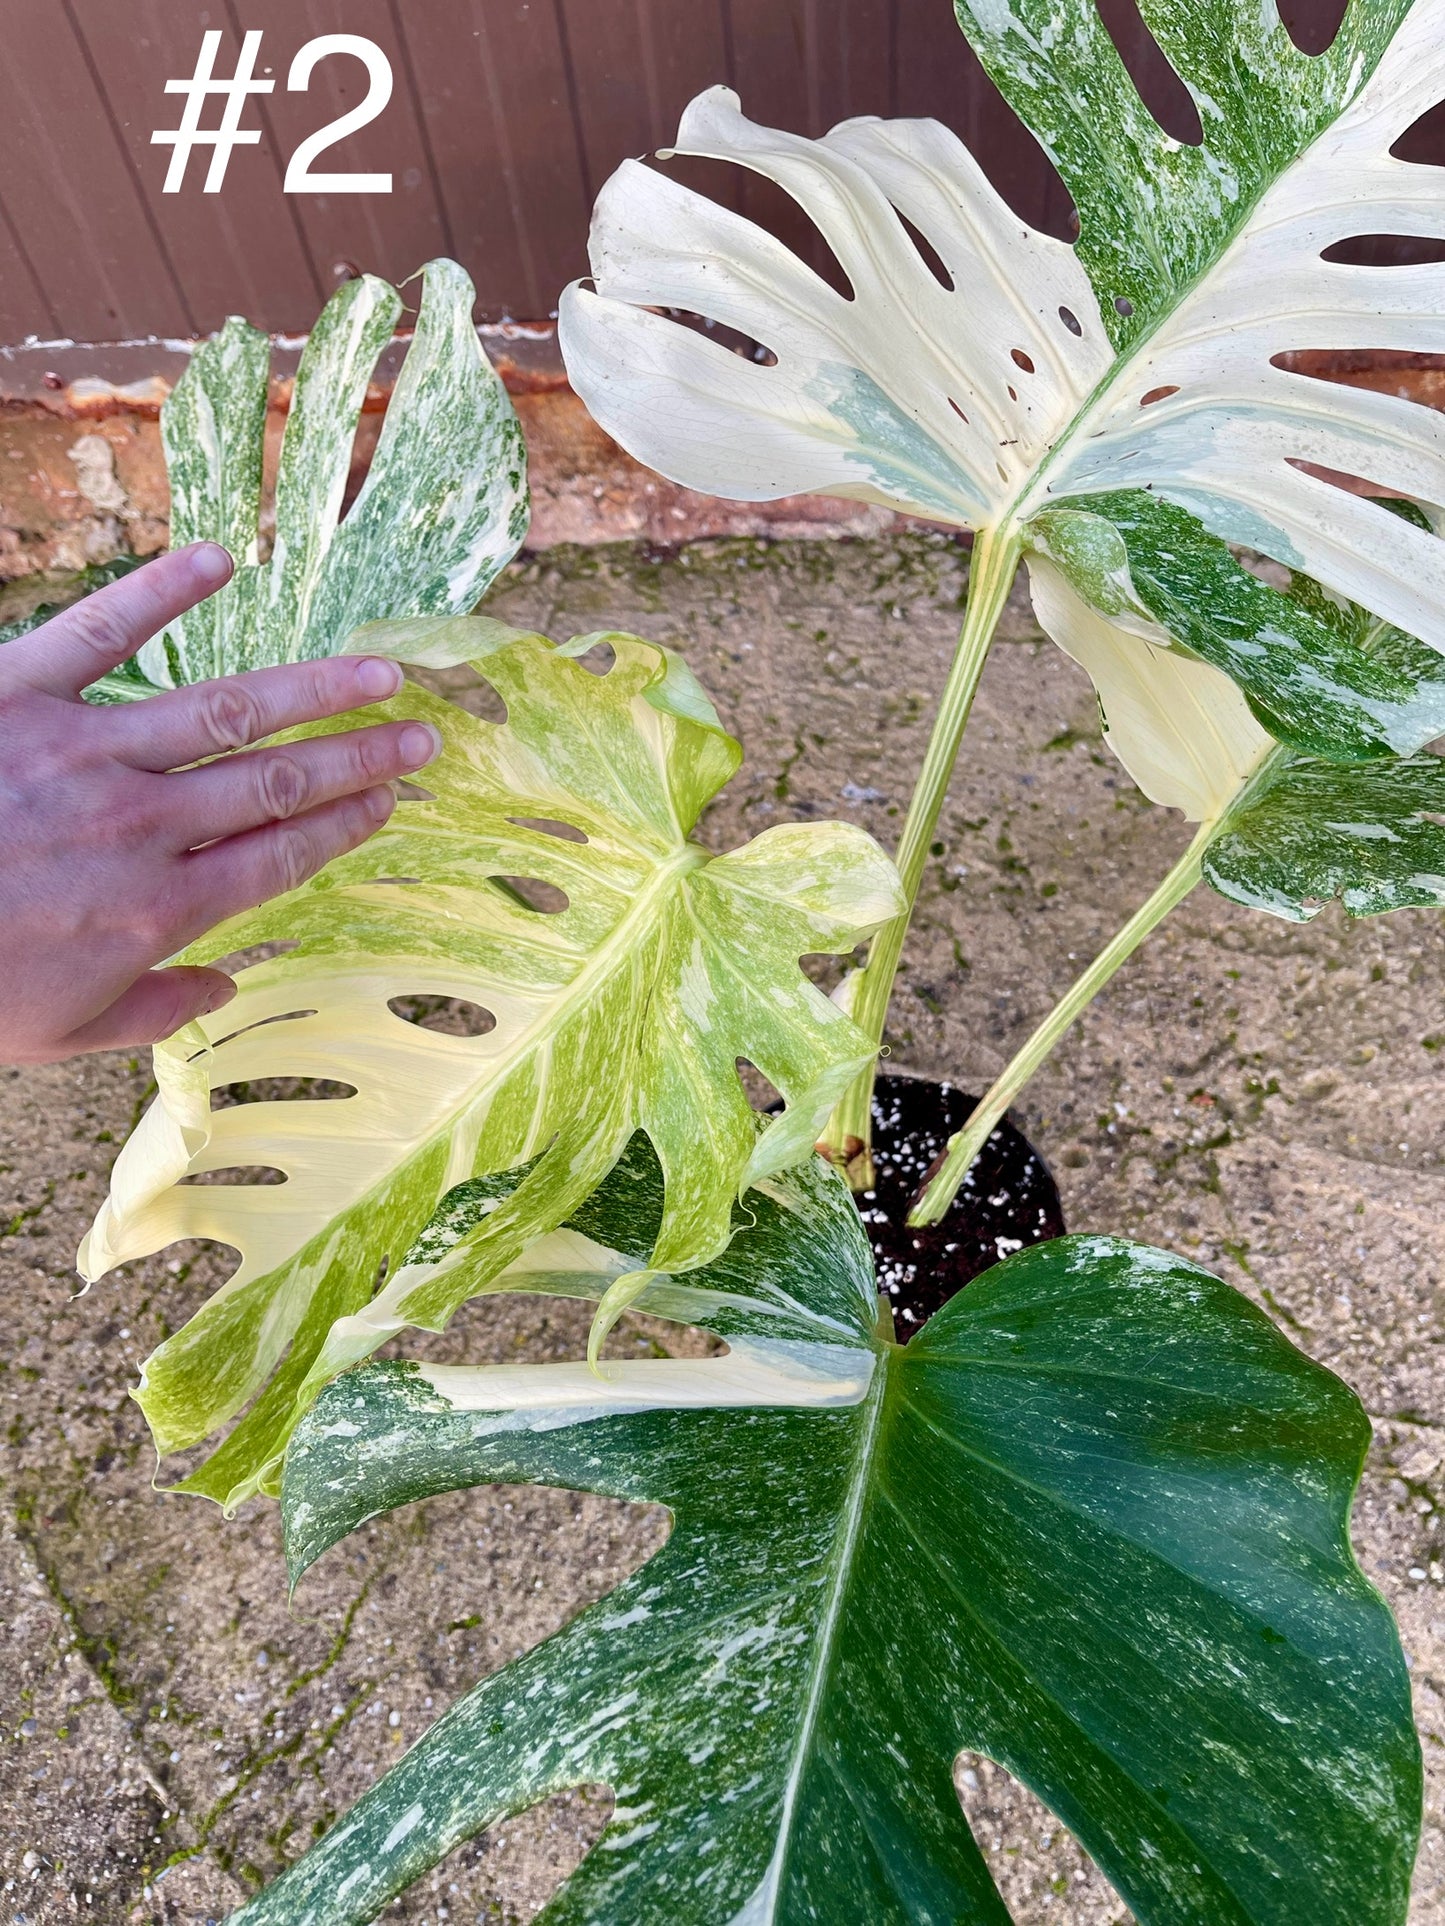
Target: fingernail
<point>419,744</point>
<point>380,802</point>
<point>376,677</point>
<point>219,997</point>
<point>210,563</point>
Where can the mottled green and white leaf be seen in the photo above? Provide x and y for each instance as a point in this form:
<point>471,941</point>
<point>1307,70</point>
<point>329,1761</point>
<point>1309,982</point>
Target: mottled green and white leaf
<point>1317,674</point>
<point>627,1009</point>
<point>442,510</point>
<point>1373,837</point>
<point>1092,1522</point>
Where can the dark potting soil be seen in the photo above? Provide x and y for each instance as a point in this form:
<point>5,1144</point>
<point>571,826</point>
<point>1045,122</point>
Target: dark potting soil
<point>1007,1200</point>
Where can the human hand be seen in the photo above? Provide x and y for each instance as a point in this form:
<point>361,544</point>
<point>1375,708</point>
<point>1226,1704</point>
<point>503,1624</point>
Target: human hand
<point>114,854</point>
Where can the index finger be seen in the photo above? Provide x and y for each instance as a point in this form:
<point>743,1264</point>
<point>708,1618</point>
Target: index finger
<point>210,718</point>
<point>78,646</point>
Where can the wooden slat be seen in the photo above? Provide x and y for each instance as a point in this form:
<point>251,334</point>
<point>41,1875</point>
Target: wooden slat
<point>637,65</point>
<point>853,52</point>
<point>506,117</point>
<point>493,82</point>
<point>236,252</point>
<point>24,305</point>
<point>388,234</point>
<point>69,190</point>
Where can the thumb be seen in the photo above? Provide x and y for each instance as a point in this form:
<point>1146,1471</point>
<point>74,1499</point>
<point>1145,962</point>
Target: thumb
<point>155,1006</point>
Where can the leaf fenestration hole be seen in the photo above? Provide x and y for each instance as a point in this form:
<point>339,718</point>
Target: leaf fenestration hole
<point>1344,364</point>
<point>760,1093</point>
<point>1158,394</point>
<point>1071,321</point>
<point>531,893</point>
<point>1312,24</point>
<point>225,1096</point>
<point>957,410</point>
<point>239,1176</point>
<point>407,791</point>
<point>549,826</point>
<point>1385,251</point>
<point>773,208</point>
<point>482,701</point>
<point>452,1016</point>
<point>742,345</point>
<point>1423,142</point>
<point>1013,393</point>
<point>927,253</point>
<point>237,960</point>
<point>244,1029</point>
<point>1028,1850</point>
<point>1149,67</point>
<point>1337,478</point>
<point>598,660</point>
<point>1021,360</point>
<point>1123,304</point>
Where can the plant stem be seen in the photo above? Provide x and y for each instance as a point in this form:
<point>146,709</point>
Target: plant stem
<point>991,573</point>
<point>969,1141</point>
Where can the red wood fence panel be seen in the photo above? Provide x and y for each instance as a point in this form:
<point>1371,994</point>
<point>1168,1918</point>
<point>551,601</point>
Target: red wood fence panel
<point>505,118</point>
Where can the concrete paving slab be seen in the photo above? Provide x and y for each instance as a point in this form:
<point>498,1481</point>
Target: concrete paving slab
<point>1266,1100</point>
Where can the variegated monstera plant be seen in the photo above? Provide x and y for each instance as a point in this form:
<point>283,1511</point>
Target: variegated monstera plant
<point>1116,412</point>
<point>1093,1520</point>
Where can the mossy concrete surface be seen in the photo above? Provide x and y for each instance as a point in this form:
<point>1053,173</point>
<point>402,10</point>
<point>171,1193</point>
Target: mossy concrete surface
<point>1263,1098</point>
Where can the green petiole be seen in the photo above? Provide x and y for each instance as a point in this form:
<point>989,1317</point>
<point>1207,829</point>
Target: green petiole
<point>995,561</point>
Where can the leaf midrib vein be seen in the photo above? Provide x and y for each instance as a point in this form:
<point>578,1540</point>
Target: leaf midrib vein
<point>844,1543</point>
<point>1127,360</point>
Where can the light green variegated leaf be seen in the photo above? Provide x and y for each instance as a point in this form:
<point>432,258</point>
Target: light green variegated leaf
<point>627,1009</point>
<point>1092,1522</point>
<point>1146,359</point>
<point>1373,837</point>
<point>442,509</point>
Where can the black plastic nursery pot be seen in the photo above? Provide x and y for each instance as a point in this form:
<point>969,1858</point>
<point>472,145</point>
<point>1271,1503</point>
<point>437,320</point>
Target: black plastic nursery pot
<point>1007,1200</point>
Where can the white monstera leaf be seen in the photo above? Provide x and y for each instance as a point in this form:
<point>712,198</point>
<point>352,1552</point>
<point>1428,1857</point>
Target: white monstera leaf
<point>1180,727</point>
<point>618,972</point>
<point>1133,380</point>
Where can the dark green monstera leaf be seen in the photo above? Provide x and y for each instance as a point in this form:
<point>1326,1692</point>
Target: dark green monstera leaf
<point>1092,1522</point>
